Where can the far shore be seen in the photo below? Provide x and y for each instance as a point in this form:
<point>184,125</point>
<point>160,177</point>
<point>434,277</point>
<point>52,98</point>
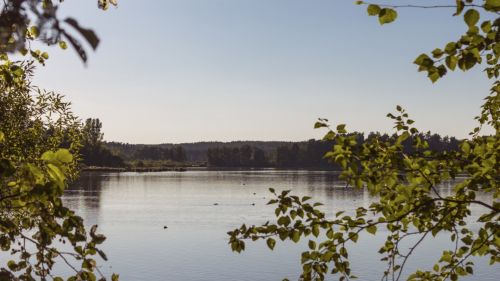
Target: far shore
<point>133,169</point>
<point>194,167</point>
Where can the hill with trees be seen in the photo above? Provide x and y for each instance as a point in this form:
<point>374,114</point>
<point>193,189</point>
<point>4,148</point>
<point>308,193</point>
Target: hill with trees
<point>235,154</point>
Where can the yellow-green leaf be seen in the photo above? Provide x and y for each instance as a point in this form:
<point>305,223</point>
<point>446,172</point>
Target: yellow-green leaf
<point>373,10</point>
<point>63,45</point>
<point>471,17</point>
<point>271,243</point>
<point>63,155</point>
<point>372,229</point>
<point>387,15</point>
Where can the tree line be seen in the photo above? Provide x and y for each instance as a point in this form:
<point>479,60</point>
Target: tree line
<point>259,154</point>
<point>310,154</point>
<point>244,156</point>
<point>96,152</point>
<point>306,154</point>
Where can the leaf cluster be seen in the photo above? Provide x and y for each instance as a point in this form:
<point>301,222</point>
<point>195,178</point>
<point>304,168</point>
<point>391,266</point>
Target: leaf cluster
<point>34,120</point>
<point>479,44</point>
<point>33,220</point>
<point>22,21</point>
<point>39,143</point>
<point>410,204</point>
<point>407,185</point>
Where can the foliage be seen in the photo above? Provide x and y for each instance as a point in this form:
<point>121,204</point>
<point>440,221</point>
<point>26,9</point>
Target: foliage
<point>39,136</point>
<point>410,204</point>
<point>101,157</point>
<point>24,20</point>
<point>308,154</point>
<point>194,152</point>
<point>91,131</point>
<point>93,152</point>
<point>409,201</point>
<point>33,218</point>
<point>479,44</point>
<point>34,120</point>
<point>150,152</point>
<point>154,154</point>
<point>244,156</point>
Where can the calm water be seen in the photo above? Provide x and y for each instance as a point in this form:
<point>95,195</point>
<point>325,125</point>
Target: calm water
<point>132,209</point>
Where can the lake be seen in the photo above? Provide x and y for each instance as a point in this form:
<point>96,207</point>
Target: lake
<point>199,207</point>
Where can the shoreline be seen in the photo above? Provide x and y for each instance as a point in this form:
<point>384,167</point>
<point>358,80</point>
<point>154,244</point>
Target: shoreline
<point>193,168</point>
<point>135,169</point>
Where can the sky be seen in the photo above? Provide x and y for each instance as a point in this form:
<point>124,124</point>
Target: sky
<point>173,71</point>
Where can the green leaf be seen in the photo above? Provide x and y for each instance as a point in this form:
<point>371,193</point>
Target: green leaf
<point>354,236</point>
<point>63,45</point>
<point>63,155</point>
<point>115,277</point>
<point>12,265</point>
<point>48,156</point>
<point>466,147</point>
<point>373,10</point>
<point>436,267</point>
<point>34,31</point>
<point>387,15</point>
<point>284,221</point>
<point>2,136</point>
<point>446,257</point>
<point>315,230</point>
<point>327,256</point>
<point>99,239</point>
<point>329,136</point>
<point>271,243</point>
<point>450,47</point>
<point>486,26</point>
<point>372,229</point>
<point>312,245</point>
<point>492,5</point>
<point>423,60</point>
<point>437,53</point>
<point>319,125</point>
<point>343,252</point>
<point>460,7</point>
<point>341,129</point>
<point>434,75</point>
<point>451,62</point>
<point>56,174</point>
<point>471,17</point>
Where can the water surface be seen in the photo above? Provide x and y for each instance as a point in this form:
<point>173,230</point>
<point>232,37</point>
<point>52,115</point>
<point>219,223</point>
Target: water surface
<point>199,207</point>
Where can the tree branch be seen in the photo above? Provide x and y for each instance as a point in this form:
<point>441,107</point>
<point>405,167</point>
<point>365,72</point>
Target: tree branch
<point>423,6</point>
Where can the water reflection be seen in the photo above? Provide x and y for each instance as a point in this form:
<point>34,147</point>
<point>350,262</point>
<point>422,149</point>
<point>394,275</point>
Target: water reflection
<point>199,207</point>
<point>84,195</point>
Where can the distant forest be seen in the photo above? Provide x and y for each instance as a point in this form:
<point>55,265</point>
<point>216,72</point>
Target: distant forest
<point>259,154</point>
<point>306,154</point>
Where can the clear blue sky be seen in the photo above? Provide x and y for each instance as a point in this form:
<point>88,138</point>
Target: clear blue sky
<point>202,70</point>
